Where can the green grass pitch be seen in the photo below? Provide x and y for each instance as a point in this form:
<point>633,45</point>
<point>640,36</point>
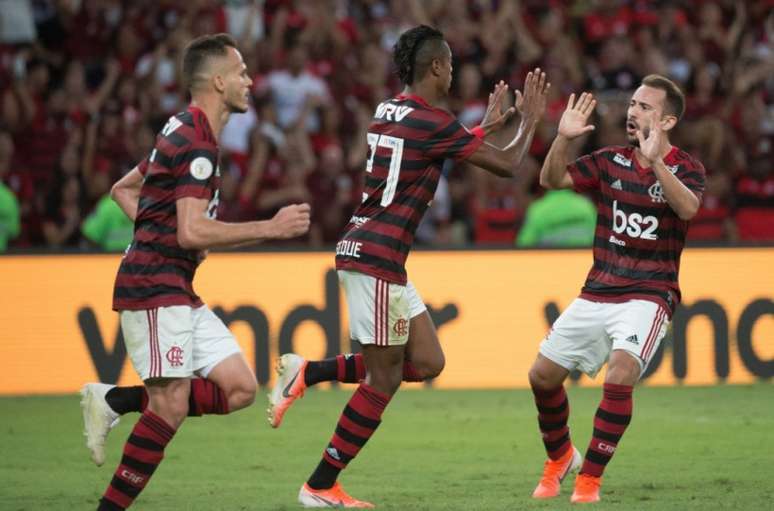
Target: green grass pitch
<point>687,448</point>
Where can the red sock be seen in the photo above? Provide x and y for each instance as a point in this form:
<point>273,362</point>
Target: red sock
<point>357,423</point>
<point>553,411</point>
<point>205,398</point>
<point>410,372</point>
<point>613,415</point>
<point>143,452</point>
<point>351,369</point>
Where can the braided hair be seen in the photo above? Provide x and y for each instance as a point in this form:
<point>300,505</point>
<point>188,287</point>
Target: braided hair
<point>415,50</point>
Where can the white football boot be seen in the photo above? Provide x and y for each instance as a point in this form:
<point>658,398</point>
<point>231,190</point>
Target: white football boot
<point>98,419</point>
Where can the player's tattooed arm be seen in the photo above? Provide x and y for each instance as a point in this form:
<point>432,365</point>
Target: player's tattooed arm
<point>531,105</point>
<point>196,231</point>
<point>126,192</point>
<point>573,124</point>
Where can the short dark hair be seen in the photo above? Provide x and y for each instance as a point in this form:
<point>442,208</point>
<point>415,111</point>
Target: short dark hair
<point>199,51</point>
<point>415,51</point>
<point>675,99</point>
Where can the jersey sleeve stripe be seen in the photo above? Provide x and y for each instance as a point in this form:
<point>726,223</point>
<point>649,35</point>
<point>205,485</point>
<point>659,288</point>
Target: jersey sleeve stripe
<point>447,131</point>
<point>190,155</point>
<point>583,169</point>
<point>177,139</point>
<point>419,124</point>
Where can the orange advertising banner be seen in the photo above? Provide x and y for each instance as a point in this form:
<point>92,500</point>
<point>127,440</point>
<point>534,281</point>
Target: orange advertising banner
<point>492,309</point>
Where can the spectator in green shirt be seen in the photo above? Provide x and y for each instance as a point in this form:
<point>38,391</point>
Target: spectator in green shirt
<point>108,226</point>
<point>10,225</point>
<point>9,216</point>
<point>561,218</point>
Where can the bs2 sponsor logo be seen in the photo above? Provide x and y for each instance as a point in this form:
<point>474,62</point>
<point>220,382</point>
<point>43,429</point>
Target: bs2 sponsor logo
<point>634,224</point>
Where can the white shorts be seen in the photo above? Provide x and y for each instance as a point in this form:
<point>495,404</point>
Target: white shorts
<point>176,341</point>
<point>586,332</point>
<point>379,311</point>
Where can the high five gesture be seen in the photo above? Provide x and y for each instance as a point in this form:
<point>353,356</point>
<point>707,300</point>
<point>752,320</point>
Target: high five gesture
<point>532,104</point>
<point>574,121</point>
<point>573,124</point>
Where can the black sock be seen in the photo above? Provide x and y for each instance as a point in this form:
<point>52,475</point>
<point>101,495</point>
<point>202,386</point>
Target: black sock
<point>324,476</point>
<point>321,370</point>
<point>125,399</point>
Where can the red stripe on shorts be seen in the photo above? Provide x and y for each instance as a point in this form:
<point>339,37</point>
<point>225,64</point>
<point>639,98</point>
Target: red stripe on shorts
<point>155,352</point>
<point>653,335</point>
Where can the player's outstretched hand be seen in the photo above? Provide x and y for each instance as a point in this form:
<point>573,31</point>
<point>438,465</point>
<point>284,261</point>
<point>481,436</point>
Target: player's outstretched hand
<point>576,115</point>
<point>495,117</point>
<point>291,221</point>
<point>532,103</point>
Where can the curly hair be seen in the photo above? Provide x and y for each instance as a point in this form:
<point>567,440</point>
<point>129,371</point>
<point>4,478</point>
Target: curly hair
<point>415,50</point>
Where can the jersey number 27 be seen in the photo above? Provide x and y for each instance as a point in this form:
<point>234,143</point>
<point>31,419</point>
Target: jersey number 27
<point>396,145</point>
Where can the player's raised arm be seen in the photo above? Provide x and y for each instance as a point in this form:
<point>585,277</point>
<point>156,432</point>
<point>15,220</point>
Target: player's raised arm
<point>572,125</point>
<point>126,192</point>
<point>196,231</point>
<point>680,198</point>
<point>531,105</point>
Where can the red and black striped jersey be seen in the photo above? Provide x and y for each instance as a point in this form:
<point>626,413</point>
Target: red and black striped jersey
<point>156,271</point>
<point>408,141</point>
<point>638,238</point>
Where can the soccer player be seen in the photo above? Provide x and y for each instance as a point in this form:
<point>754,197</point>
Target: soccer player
<point>645,193</point>
<point>170,335</point>
<point>423,357</point>
<point>409,138</point>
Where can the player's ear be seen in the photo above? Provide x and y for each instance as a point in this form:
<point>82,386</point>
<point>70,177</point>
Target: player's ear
<point>668,122</point>
<point>218,82</point>
<point>436,67</point>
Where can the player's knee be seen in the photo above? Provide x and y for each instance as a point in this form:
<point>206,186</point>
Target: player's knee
<point>243,396</point>
<point>623,373</point>
<point>539,380</point>
<point>387,381</point>
<point>173,411</point>
<point>433,367</point>
<point>391,385</point>
<point>623,369</point>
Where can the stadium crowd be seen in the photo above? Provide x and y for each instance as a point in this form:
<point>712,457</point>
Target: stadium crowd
<point>86,84</point>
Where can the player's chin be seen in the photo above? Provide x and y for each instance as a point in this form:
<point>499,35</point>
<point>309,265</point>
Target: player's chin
<point>237,108</point>
<point>633,140</point>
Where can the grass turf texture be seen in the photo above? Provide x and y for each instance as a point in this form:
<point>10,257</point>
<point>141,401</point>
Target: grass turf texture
<point>687,448</point>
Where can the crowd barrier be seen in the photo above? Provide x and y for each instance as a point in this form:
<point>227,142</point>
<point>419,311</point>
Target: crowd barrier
<point>492,308</point>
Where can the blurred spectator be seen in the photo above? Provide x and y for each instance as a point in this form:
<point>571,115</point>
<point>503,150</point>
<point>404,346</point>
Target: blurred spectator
<point>108,227</point>
<point>755,200</point>
<point>295,90</point>
<point>16,23</point>
<point>561,218</point>
<point>10,224</point>
<point>85,86</point>
<point>333,194</point>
